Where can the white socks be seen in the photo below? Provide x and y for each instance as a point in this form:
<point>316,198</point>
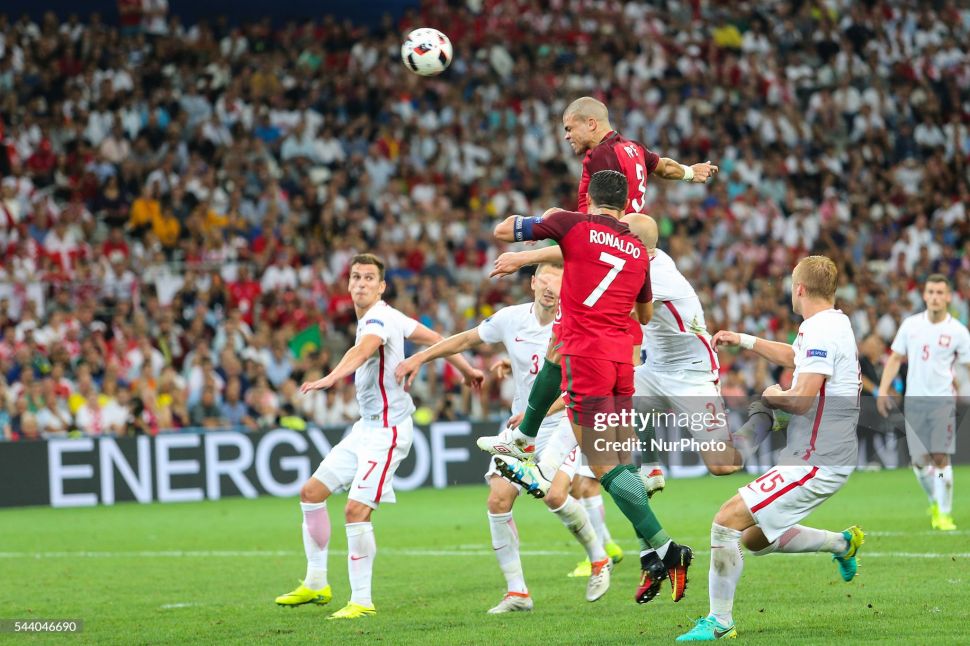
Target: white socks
<point>944,488</point>
<point>505,542</point>
<point>597,516</point>
<point>726,565</point>
<point>361,550</point>
<point>927,479</point>
<point>577,521</point>
<point>316,538</point>
<point>801,539</point>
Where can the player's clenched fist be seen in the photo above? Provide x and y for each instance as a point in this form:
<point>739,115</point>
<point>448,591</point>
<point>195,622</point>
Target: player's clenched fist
<point>703,172</point>
<point>474,378</point>
<point>727,338</point>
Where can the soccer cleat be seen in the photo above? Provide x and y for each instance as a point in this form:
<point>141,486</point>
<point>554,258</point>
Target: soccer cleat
<point>353,611</point>
<point>944,523</point>
<point>513,602</point>
<point>614,551</point>
<point>599,579</point>
<point>526,474</point>
<point>582,570</point>
<point>677,561</point>
<point>652,574</point>
<point>511,442</point>
<point>848,566</point>
<point>303,595</point>
<point>653,479</point>
<point>708,629</point>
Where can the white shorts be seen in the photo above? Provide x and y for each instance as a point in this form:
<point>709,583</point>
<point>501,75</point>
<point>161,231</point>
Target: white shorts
<point>785,495</point>
<point>930,426</point>
<point>691,394</point>
<point>364,462</point>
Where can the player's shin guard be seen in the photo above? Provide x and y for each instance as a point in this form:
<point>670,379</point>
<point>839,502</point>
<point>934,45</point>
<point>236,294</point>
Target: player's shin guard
<point>629,494</point>
<point>944,489</point>
<point>800,539</point>
<point>316,540</point>
<point>726,565</point>
<point>926,475</point>
<point>361,550</point>
<point>545,390</point>
<point>505,543</point>
<point>577,521</point>
<point>597,516</point>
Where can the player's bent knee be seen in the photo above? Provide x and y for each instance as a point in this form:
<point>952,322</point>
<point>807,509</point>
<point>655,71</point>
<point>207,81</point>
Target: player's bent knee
<point>357,512</point>
<point>501,497</point>
<point>313,491</point>
<point>556,497</point>
<point>734,514</point>
<point>755,540</point>
<point>723,469</point>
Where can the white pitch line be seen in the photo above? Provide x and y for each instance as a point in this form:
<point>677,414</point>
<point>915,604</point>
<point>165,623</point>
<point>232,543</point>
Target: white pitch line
<point>177,605</point>
<point>392,551</point>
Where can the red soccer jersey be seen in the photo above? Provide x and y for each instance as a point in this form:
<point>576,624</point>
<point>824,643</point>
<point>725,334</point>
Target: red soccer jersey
<point>606,270</point>
<point>625,156</point>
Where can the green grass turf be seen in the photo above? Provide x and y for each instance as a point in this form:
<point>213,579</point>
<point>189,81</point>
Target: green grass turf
<point>127,592</point>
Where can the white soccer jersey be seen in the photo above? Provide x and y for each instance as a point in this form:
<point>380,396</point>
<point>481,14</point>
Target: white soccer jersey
<point>676,337</point>
<point>383,401</point>
<point>931,349</point>
<point>825,435</point>
<point>526,341</point>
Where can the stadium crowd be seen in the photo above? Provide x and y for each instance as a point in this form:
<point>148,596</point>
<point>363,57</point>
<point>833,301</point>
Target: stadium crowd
<point>179,202</point>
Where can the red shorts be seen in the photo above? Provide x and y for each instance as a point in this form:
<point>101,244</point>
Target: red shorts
<point>595,386</point>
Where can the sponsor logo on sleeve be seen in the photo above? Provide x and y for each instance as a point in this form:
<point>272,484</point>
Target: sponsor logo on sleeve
<point>374,321</point>
<point>821,354</point>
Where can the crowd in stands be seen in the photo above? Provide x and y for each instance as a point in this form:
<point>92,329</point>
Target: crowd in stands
<point>179,202</point>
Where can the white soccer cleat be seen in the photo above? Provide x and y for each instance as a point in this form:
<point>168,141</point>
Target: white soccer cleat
<point>653,478</point>
<point>512,602</point>
<point>511,442</point>
<point>526,474</point>
<point>599,579</point>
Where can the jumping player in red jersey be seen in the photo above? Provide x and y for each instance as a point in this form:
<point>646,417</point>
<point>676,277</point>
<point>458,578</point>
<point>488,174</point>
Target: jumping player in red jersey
<point>588,130</point>
<point>607,273</point>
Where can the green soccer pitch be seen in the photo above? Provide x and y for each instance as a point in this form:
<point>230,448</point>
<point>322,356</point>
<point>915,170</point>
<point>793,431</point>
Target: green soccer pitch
<point>208,573</point>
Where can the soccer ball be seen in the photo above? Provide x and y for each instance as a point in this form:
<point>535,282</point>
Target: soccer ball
<point>426,52</point>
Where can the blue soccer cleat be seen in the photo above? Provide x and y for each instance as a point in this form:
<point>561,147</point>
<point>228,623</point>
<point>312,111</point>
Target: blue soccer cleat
<point>848,566</point>
<point>707,629</point>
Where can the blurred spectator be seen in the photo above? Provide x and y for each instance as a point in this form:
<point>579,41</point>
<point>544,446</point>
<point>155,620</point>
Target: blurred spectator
<point>178,202</point>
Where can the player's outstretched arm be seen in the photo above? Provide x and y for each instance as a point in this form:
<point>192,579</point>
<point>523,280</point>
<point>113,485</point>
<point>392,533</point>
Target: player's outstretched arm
<point>408,369</point>
<point>699,173</point>
<point>644,312</point>
<point>884,401</point>
<point>423,335</point>
<point>780,354</point>
<point>354,358</point>
<point>798,399</point>
<point>512,261</point>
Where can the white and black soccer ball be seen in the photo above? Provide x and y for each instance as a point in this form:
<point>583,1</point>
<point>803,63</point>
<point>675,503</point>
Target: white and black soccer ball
<point>426,51</point>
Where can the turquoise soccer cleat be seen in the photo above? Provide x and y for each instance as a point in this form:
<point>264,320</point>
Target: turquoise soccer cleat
<point>707,629</point>
<point>848,566</point>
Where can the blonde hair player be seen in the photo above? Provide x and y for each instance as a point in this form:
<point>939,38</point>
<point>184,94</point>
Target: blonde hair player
<point>818,459</point>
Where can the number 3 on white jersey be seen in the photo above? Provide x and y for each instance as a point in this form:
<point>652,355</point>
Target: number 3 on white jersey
<point>616,266</point>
